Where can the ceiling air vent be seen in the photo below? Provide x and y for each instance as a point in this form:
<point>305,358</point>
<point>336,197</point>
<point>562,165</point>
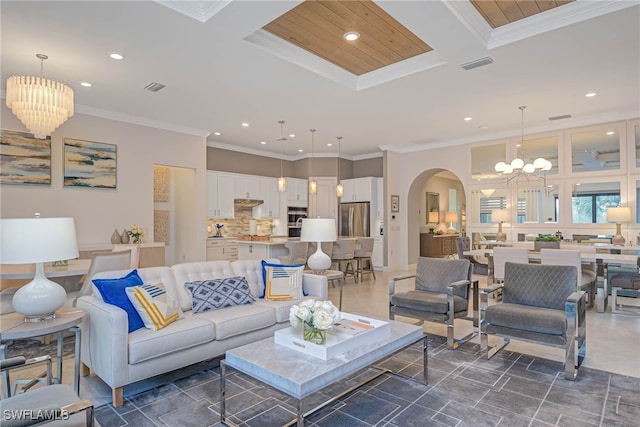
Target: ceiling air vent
<point>564,116</point>
<point>477,63</point>
<point>154,87</point>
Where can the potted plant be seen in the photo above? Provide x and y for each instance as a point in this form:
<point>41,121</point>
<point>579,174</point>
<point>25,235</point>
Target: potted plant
<point>546,241</point>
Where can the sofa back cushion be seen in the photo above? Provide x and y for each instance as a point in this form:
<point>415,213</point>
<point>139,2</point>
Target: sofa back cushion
<point>251,269</point>
<point>198,271</point>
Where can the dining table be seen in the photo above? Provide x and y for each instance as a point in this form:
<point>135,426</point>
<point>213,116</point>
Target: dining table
<point>604,259</point>
<point>18,274</point>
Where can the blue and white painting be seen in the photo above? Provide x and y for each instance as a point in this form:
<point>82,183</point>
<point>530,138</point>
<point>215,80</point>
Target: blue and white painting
<point>24,159</point>
<point>89,164</point>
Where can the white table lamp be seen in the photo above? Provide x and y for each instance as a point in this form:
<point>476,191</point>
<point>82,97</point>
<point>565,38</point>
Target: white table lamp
<point>618,215</point>
<point>318,230</point>
<point>499,216</point>
<point>451,217</point>
<point>38,240</point>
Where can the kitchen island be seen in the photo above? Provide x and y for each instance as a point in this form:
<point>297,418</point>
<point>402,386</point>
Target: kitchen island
<point>262,249</point>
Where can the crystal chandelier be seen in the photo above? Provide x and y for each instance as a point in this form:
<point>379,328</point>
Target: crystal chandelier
<point>282,182</point>
<point>41,104</point>
<point>518,167</point>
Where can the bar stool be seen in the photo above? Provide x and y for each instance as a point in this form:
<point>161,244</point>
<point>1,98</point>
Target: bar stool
<point>298,253</point>
<point>343,255</point>
<point>362,255</point>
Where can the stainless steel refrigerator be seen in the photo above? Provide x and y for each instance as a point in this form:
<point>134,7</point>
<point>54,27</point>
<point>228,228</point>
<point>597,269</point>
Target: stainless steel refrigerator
<point>354,219</point>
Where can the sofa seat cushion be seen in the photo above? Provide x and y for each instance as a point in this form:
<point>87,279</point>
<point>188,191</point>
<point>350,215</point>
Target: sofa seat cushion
<point>527,318</point>
<point>145,344</point>
<point>282,307</point>
<point>432,302</point>
<point>232,321</point>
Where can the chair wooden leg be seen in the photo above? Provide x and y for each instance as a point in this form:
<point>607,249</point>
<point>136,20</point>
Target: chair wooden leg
<point>117,395</point>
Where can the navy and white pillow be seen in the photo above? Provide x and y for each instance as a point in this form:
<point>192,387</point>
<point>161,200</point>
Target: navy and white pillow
<point>219,293</point>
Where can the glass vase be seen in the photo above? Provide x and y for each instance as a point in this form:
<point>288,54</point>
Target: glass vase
<point>314,335</point>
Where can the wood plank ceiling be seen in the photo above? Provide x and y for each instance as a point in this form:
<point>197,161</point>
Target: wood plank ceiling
<point>319,26</point>
<point>502,12</point>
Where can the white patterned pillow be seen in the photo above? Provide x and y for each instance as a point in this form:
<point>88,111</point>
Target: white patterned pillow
<point>219,293</point>
<point>156,308</point>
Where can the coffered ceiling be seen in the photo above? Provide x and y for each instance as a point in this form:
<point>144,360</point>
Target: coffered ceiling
<point>401,86</point>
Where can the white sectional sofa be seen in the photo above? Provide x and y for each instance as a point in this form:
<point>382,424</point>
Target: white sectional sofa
<point>120,358</point>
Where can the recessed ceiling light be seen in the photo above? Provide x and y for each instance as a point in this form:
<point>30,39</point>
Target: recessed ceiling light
<point>483,127</point>
<point>217,133</point>
<point>116,56</point>
<point>85,84</point>
<point>329,144</point>
<point>300,150</point>
<point>245,125</point>
<point>263,142</point>
<point>591,94</point>
<point>351,36</point>
<point>468,119</point>
<point>292,135</point>
<point>611,132</point>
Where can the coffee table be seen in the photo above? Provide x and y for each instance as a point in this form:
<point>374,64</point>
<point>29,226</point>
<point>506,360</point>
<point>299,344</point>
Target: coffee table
<point>299,375</point>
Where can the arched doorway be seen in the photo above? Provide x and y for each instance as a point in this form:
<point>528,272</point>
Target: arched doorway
<point>451,198</point>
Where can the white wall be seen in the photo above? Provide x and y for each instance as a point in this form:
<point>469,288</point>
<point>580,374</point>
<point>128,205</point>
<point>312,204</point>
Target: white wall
<point>98,212</point>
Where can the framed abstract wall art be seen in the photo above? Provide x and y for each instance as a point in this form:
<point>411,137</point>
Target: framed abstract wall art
<point>24,159</point>
<point>89,164</point>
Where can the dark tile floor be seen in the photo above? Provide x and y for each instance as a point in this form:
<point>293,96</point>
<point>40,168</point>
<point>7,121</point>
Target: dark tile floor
<point>464,389</point>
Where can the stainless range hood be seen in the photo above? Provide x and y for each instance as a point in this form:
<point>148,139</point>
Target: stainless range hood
<point>247,203</point>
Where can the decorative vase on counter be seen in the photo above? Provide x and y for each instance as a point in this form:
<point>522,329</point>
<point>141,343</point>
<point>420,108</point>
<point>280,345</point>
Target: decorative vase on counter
<point>115,237</point>
<point>124,238</point>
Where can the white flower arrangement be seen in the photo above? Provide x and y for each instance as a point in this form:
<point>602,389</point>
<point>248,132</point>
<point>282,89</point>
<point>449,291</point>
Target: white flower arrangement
<point>137,233</point>
<point>315,314</point>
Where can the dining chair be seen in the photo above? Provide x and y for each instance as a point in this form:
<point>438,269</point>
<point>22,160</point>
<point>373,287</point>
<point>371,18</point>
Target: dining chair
<point>135,253</point>
<point>120,260</point>
<point>362,255</point>
<point>629,284</point>
<point>586,275</point>
<point>464,244</point>
<point>502,255</point>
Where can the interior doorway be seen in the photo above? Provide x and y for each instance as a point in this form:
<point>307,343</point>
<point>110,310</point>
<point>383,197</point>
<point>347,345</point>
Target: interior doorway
<point>174,200</point>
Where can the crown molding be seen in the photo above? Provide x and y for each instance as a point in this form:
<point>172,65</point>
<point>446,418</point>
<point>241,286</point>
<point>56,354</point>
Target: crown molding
<point>256,152</point>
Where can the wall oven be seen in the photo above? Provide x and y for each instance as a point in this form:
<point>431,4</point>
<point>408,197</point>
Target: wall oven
<point>294,220</point>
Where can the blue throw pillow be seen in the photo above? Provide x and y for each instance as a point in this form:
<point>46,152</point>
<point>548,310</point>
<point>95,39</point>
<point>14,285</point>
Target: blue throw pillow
<point>219,293</point>
<point>282,273</point>
<point>114,292</point>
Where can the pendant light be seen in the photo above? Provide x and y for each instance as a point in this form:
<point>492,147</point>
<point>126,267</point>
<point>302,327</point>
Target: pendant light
<point>282,182</point>
<point>339,187</point>
<point>313,184</point>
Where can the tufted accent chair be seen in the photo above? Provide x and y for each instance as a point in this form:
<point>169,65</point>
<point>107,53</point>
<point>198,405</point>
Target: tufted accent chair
<point>441,294</point>
<point>540,304</point>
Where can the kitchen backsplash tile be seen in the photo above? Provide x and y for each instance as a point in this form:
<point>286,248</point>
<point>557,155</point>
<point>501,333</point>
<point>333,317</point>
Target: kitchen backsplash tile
<point>239,225</point>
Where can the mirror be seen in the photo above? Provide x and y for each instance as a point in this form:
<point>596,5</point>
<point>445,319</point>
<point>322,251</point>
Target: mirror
<point>546,148</point>
<point>538,204</point>
<point>484,159</point>
<point>595,150</point>
<point>483,201</point>
<point>433,208</point>
<point>589,201</point>
<point>637,138</point>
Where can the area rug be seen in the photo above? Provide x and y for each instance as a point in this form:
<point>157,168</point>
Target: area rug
<point>464,389</point>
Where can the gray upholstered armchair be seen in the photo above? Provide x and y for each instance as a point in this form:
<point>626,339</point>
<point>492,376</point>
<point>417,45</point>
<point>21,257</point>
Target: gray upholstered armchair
<point>539,304</point>
<point>441,294</point>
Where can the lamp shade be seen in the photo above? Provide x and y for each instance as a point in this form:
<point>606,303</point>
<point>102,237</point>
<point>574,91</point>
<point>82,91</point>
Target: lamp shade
<point>318,230</point>
<point>451,217</point>
<point>32,240</point>
<point>619,214</point>
<point>500,215</point>
<point>434,217</point>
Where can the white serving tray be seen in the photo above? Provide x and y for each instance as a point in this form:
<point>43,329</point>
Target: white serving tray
<point>337,342</point>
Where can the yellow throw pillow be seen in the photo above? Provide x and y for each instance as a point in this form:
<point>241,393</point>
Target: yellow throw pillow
<point>156,308</point>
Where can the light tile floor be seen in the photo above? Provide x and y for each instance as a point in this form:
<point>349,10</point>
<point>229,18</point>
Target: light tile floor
<point>613,340</point>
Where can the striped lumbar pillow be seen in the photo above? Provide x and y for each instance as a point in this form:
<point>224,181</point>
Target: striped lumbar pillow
<point>156,308</point>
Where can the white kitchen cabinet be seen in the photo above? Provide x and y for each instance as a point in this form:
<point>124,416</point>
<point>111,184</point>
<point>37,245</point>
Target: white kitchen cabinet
<point>271,196</point>
<point>377,256</point>
<point>325,203</point>
<point>247,187</point>
<point>248,250</point>
<point>222,249</point>
<point>380,198</point>
<point>358,189</point>
<point>220,195</point>
<point>297,192</point>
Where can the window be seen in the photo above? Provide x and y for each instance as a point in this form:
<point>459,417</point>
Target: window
<point>592,208</point>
